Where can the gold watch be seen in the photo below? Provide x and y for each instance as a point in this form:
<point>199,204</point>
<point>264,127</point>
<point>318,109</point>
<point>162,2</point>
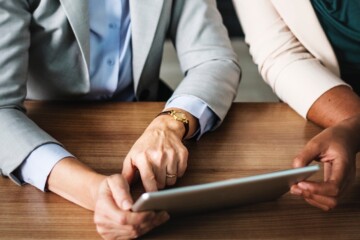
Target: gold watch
<point>178,116</point>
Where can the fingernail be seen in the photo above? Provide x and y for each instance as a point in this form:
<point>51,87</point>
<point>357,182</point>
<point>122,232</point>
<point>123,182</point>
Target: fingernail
<point>295,191</point>
<point>297,163</point>
<point>126,205</point>
<point>303,185</point>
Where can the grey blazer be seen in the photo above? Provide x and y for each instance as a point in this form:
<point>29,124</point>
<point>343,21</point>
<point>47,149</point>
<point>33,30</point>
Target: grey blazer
<point>44,54</point>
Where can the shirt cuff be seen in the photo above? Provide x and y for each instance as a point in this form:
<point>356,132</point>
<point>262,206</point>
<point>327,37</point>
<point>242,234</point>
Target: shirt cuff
<point>196,107</point>
<point>38,165</point>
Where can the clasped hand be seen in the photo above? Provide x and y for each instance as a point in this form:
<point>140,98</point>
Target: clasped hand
<point>112,214</point>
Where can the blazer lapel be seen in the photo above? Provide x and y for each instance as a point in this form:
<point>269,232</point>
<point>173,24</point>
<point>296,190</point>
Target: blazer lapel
<point>145,17</point>
<point>302,20</point>
<point>77,13</point>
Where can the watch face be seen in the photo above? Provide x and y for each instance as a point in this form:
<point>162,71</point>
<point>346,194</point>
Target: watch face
<point>180,116</point>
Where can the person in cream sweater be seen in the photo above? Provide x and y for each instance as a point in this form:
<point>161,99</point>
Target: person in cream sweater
<point>309,53</point>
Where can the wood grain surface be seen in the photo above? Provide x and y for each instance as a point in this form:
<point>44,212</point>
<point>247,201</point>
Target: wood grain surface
<point>255,138</point>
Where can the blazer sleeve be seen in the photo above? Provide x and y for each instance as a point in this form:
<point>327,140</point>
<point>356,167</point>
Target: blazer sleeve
<point>19,136</point>
<point>211,68</point>
<point>294,74</point>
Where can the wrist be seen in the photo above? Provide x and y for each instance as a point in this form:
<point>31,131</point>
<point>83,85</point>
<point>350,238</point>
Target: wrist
<point>95,182</point>
<point>75,182</point>
<point>179,117</point>
<point>183,119</point>
<point>167,123</point>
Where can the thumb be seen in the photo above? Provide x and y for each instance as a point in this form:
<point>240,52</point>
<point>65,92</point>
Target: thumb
<point>307,155</point>
<point>120,191</point>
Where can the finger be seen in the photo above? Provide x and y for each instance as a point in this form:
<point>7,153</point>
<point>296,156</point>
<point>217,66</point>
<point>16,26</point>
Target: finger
<point>171,172</point>
<point>106,226</point>
<point>323,202</point>
<point>316,204</point>
<point>128,170</point>
<point>147,175</point>
<point>109,216</point>
<point>307,155</point>
<point>159,219</point>
<point>120,191</point>
<point>329,189</point>
<point>159,168</point>
<point>143,222</point>
<point>128,221</point>
<point>106,212</point>
<point>348,179</point>
<point>109,197</point>
<point>329,202</point>
<point>295,190</point>
<point>182,162</point>
<point>338,172</point>
<point>115,233</point>
<point>137,218</point>
<point>327,171</point>
<point>134,220</point>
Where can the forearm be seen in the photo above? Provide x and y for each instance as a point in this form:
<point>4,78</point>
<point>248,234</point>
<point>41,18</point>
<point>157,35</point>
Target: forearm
<point>334,106</point>
<point>75,182</point>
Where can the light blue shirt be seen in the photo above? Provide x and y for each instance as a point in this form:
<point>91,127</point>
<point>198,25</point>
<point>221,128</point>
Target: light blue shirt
<point>110,50</point>
<point>110,77</point>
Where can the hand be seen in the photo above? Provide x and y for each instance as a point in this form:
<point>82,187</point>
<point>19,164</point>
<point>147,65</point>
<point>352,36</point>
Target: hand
<point>107,196</point>
<point>159,154</point>
<point>112,216</point>
<point>336,148</point>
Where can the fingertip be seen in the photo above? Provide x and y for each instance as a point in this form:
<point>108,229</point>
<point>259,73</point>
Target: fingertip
<point>160,185</point>
<point>126,205</point>
<point>304,185</point>
<point>317,205</point>
<point>309,153</point>
<point>151,188</point>
<point>182,168</point>
<point>150,184</point>
<point>298,162</point>
<point>295,190</point>
<point>181,172</point>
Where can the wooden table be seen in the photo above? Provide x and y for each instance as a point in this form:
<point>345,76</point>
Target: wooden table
<point>255,138</point>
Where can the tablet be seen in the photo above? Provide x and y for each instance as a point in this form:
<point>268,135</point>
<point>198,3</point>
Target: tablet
<point>223,194</point>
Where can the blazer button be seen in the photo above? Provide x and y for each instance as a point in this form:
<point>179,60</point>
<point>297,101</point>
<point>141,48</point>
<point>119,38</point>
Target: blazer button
<point>144,95</point>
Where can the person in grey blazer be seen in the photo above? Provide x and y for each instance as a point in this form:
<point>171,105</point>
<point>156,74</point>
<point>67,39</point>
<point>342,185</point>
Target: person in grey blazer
<point>112,49</point>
